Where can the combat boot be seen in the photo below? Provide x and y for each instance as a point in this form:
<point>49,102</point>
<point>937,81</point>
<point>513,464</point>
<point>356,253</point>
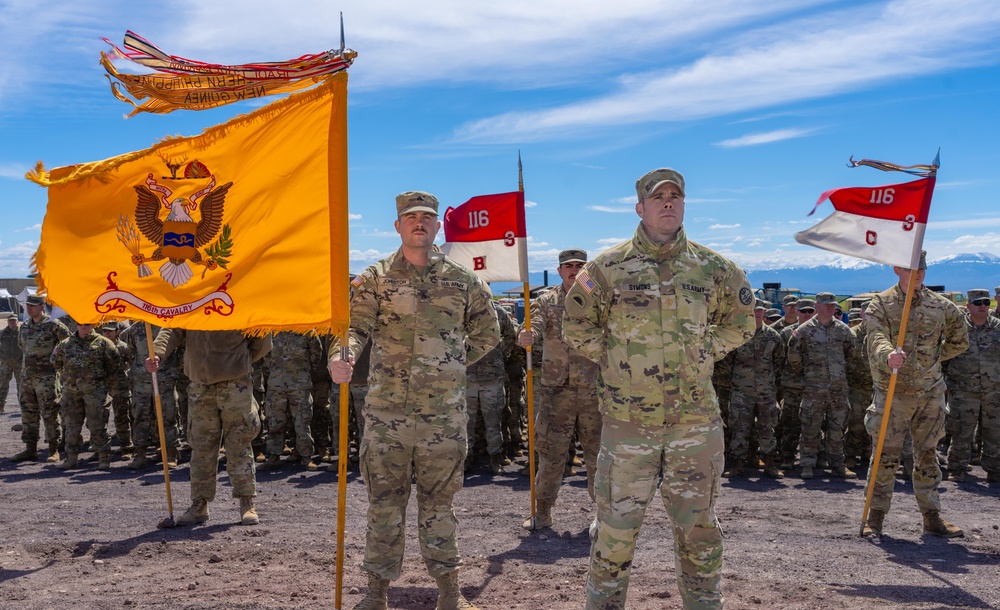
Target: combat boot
<point>377,597</point>
<point>770,470</point>
<point>841,472</point>
<point>543,516</point>
<point>935,525</point>
<point>496,463</point>
<point>735,469</point>
<point>248,514</point>
<point>450,596</point>
<point>308,464</point>
<point>324,454</point>
<point>53,452</point>
<point>127,450</point>
<point>272,462</point>
<point>138,462</point>
<point>104,460</point>
<point>72,461</point>
<point>198,513</point>
<point>873,526</point>
<point>807,472</point>
<point>93,457</point>
<point>957,475</point>
<point>173,457</point>
<point>30,453</point>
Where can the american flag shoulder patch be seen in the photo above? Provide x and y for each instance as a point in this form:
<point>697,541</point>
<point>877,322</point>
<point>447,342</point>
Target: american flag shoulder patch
<point>586,282</point>
<point>358,280</point>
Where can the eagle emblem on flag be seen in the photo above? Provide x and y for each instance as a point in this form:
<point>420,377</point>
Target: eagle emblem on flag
<point>178,237</point>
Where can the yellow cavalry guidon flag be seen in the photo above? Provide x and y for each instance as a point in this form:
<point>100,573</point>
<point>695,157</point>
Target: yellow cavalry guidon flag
<point>243,227</point>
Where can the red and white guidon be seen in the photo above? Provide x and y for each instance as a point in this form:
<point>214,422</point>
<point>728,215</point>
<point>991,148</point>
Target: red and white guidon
<point>487,234</point>
<point>882,224</point>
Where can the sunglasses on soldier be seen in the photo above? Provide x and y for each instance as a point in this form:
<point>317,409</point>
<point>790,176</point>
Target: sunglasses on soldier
<point>980,302</point>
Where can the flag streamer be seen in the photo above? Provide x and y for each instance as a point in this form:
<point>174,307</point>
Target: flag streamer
<point>916,170</point>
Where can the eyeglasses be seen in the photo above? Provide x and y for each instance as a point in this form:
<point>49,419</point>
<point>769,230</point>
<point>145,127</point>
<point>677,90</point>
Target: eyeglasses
<point>980,302</point>
<point>806,309</point>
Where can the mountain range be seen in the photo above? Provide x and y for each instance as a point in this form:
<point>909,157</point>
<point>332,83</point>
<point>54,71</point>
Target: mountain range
<point>959,272</point>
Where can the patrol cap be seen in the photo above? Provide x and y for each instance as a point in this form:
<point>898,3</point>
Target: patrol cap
<point>416,201</point>
<point>854,315</point>
<point>923,260</point>
<point>572,256</point>
<point>790,299</point>
<point>856,310</point>
<point>996,291</point>
<point>647,185</point>
<point>109,326</point>
<point>805,304</point>
<point>978,293</point>
<point>762,304</point>
<point>772,314</point>
<point>826,297</point>
<point>34,299</point>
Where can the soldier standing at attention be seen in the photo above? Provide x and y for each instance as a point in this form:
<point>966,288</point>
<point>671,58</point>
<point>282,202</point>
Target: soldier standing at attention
<point>790,316</point>
<point>295,359</point>
<point>973,380</point>
<point>567,393</point>
<point>222,412</point>
<point>428,318</point>
<point>789,424</point>
<point>657,312</point>
<point>819,350</point>
<point>10,359</point>
<point>857,443</point>
<point>753,398</point>
<point>141,386</point>
<point>485,395</point>
<point>936,332</point>
<point>87,362</point>
<point>37,337</point>
<point>121,398</point>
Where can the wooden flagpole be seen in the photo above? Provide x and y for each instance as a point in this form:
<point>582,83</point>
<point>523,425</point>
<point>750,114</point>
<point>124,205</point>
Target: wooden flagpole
<point>529,383</point>
<point>169,522</point>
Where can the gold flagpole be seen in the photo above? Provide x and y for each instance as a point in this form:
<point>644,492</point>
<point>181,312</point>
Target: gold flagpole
<point>873,472</point>
<point>529,384</point>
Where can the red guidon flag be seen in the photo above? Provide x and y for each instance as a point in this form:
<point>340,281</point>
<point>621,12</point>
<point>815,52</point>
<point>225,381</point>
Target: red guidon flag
<point>882,224</point>
<point>487,234</point>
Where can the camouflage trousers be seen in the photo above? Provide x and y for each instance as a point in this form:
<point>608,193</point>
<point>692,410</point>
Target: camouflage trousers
<point>561,412</point>
<point>686,461</point>
<point>725,394</point>
<point>989,426</point>
<point>321,425</point>
<point>284,405</point>
<point>822,410</point>
<point>486,398</point>
<point>8,370</point>
<point>222,414</point>
<point>121,409</point>
<point>745,410</point>
<point>145,430</point>
<point>964,410</point>
<point>355,407</point>
<point>75,407</point>
<point>857,443</point>
<point>923,416</point>
<point>38,406</point>
<point>789,425</point>
<point>395,450</point>
<point>515,408</point>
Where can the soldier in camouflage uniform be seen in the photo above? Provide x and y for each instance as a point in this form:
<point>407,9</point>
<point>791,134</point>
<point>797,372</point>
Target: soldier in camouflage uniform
<point>144,425</point>
<point>294,360</point>
<point>516,368</point>
<point>427,318</point>
<point>484,393</point>
<point>722,382</point>
<point>973,381</point>
<point>753,398</point>
<point>657,312</point>
<point>936,332</point>
<point>222,412</point>
<point>10,359</point>
<point>121,397</point>
<point>37,337</point>
<point>819,351</point>
<point>567,391</point>
<point>789,425</point>
<point>356,404</point>
<point>322,392</point>
<point>857,443</point>
<point>790,317</point>
<point>87,362</point>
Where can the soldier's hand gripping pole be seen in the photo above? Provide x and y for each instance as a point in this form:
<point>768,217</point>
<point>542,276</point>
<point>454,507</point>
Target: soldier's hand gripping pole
<point>876,458</point>
<point>529,389</point>
<point>345,415</point>
<point>169,521</point>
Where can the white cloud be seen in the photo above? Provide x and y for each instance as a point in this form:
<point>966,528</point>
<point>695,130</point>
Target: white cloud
<point>717,227</point>
<point>34,227</point>
<point>753,139</point>
<point>530,204</point>
<point>612,210</point>
<point>354,216</point>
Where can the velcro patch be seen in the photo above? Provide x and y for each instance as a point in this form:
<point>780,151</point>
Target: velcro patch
<point>746,296</point>
<point>586,282</point>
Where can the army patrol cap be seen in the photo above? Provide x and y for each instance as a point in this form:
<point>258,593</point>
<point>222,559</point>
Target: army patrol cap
<point>826,297</point>
<point>762,304</point>
<point>647,185</point>
<point>854,315</point>
<point>996,291</point>
<point>34,299</point>
<point>772,314</point>
<point>805,304</point>
<point>109,326</point>
<point>416,201</point>
<point>790,299</point>
<point>978,293</point>
<point>572,256</point>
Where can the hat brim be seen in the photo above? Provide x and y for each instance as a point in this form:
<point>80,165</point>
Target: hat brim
<point>572,260</point>
<point>656,187</point>
<point>419,208</point>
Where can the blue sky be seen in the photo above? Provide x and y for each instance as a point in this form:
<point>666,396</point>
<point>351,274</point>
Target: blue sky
<point>758,104</point>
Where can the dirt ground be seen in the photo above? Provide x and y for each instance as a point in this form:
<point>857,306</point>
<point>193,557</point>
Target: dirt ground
<point>87,539</point>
